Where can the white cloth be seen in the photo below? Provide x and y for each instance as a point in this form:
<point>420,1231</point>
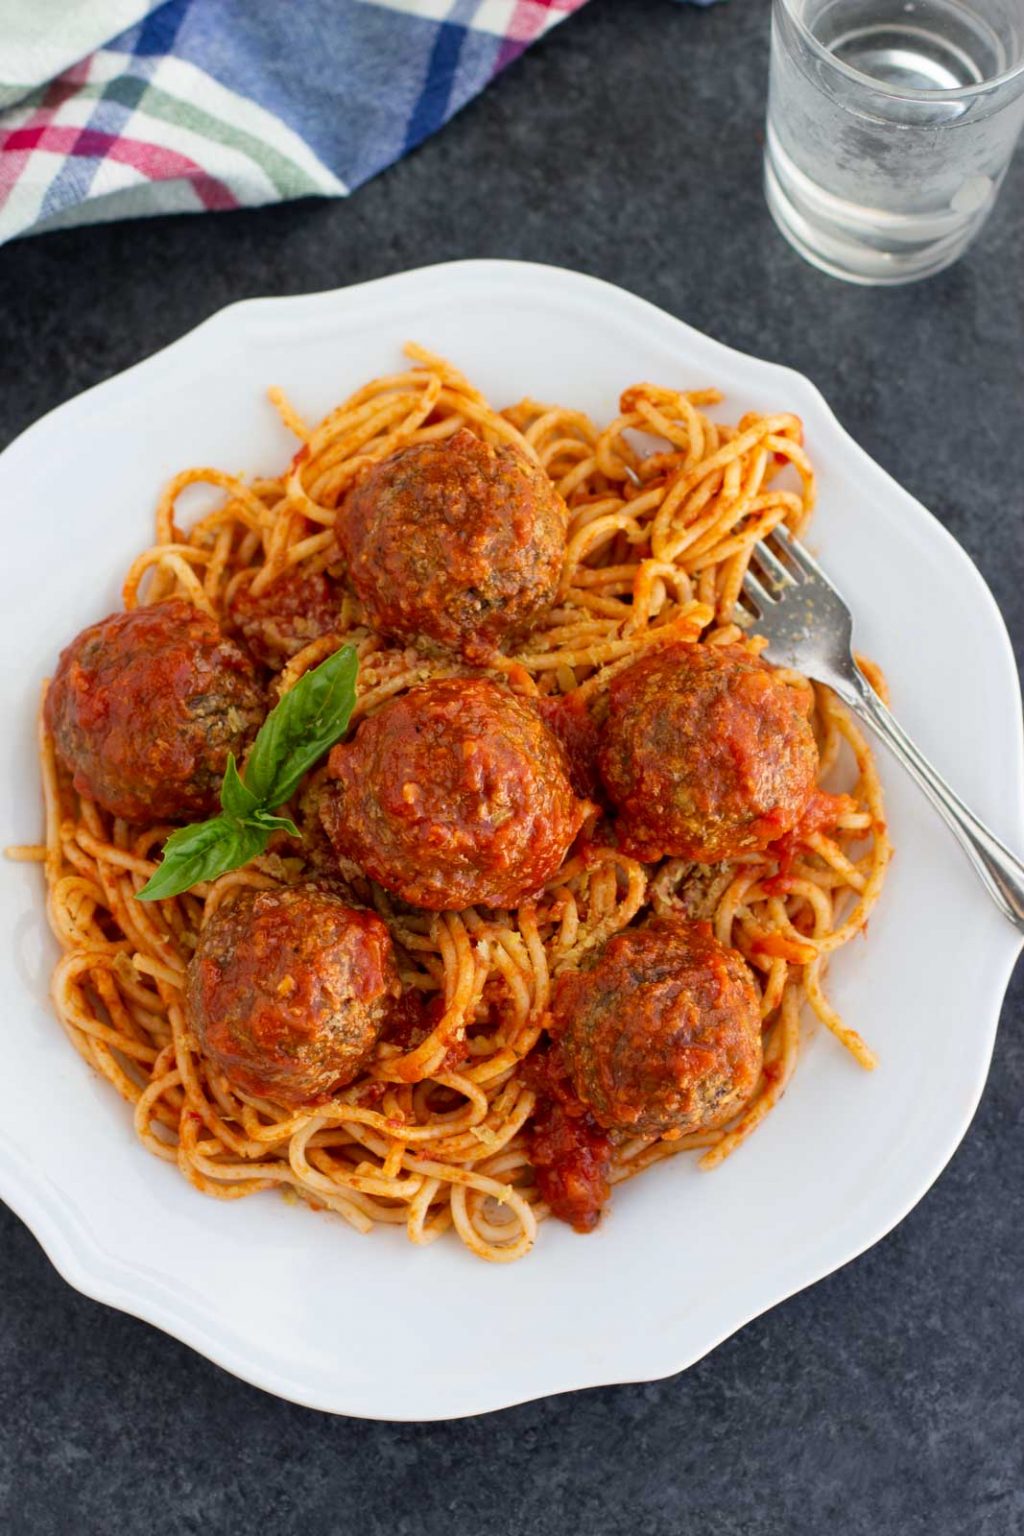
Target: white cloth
<point>40,39</point>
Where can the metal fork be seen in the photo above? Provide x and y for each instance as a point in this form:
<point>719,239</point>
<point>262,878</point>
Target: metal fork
<point>809,627</point>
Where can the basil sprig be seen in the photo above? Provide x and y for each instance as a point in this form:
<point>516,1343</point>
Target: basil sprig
<point>310,718</point>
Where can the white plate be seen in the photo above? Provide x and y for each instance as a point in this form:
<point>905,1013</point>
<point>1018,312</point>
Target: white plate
<point>299,1304</point>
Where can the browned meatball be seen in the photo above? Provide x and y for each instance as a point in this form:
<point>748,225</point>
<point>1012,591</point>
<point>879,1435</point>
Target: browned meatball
<point>145,707</point>
<point>288,991</point>
<point>455,542</point>
<point>297,608</point>
<point>452,794</point>
<point>663,1032</point>
<point>707,753</point>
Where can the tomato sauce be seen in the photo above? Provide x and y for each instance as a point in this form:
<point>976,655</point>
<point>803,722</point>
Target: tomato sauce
<point>570,721</point>
<point>412,1018</point>
<point>570,1153</point>
<point>294,610</point>
<point>821,813</point>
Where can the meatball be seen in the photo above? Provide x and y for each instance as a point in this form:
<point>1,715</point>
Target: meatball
<point>662,1034</point>
<point>707,753</point>
<point>456,542</point>
<point>298,607</point>
<point>145,707</point>
<point>452,794</point>
<point>288,991</point>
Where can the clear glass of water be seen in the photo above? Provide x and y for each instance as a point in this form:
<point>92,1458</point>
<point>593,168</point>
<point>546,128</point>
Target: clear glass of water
<point>890,127</point>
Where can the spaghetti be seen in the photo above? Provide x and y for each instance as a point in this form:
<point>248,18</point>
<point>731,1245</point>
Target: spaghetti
<point>666,505</point>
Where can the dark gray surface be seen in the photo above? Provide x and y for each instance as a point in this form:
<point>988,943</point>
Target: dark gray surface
<point>889,1398</point>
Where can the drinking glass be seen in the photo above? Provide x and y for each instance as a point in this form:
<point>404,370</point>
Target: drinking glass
<point>890,127</point>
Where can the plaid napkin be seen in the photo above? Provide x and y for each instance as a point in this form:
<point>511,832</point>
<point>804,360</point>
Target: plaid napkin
<point>116,108</point>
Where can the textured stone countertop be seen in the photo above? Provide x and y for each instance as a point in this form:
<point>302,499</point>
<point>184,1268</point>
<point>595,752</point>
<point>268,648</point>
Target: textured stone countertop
<point>889,1399</point>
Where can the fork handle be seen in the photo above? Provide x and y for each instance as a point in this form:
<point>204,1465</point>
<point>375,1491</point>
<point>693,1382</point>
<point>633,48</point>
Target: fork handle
<point>1000,871</point>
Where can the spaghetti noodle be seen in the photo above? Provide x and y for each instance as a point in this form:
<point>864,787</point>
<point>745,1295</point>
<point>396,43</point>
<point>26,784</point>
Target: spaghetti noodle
<point>666,505</point>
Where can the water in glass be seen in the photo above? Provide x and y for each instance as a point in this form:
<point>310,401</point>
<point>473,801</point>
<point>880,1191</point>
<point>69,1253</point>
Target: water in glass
<point>890,127</point>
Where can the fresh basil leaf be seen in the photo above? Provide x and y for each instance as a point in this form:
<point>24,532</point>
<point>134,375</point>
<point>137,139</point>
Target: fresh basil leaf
<point>306,722</point>
<point>236,800</point>
<point>270,823</point>
<point>201,852</point>
<point>310,718</point>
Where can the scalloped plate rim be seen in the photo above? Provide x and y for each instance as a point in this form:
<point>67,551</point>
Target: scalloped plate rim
<point>111,1280</point>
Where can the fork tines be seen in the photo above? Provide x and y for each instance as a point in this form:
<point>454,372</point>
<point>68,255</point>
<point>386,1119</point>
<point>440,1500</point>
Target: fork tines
<point>767,577</point>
